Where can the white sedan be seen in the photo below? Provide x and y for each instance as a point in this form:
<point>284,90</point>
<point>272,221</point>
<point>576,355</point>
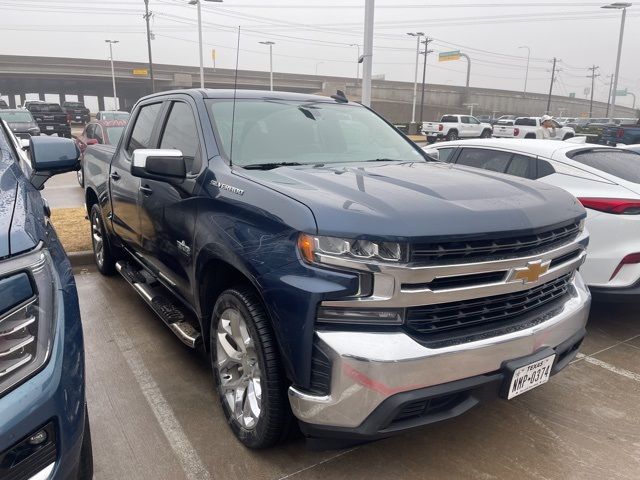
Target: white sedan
<point>606,180</point>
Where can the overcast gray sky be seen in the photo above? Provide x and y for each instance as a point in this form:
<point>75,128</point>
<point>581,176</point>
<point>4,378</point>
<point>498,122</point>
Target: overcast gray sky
<point>316,35</point>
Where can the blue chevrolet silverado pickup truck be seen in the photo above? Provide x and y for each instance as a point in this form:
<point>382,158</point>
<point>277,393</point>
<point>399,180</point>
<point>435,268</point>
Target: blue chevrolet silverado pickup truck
<point>335,274</point>
<point>44,427</point>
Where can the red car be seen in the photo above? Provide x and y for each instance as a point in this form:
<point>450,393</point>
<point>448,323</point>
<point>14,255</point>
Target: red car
<point>101,132</point>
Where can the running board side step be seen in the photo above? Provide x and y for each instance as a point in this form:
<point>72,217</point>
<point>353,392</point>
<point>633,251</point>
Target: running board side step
<point>176,317</point>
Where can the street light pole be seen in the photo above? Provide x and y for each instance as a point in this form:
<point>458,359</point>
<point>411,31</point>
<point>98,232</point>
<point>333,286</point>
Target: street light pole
<point>553,79</point>
<point>317,65</point>
<point>412,126</point>
<point>617,6</point>
<point>271,44</point>
<point>367,54</point>
<point>526,75</point>
<point>113,75</point>
<point>199,6</point>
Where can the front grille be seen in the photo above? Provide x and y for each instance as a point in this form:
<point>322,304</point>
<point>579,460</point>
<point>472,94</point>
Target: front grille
<point>456,319</point>
<point>468,250</point>
<point>426,407</point>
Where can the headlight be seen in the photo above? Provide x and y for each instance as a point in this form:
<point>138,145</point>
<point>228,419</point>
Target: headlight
<point>313,248</point>
<point>27,287</point>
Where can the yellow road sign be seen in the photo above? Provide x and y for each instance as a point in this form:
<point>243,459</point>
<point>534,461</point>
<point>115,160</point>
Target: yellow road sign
<point>140,71</point>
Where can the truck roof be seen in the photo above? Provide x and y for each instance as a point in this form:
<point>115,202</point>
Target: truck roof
<point>245,94</point>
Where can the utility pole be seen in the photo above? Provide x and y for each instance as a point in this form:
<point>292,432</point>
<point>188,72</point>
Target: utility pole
<point>426,52</point>
<point>369,7</point>
<point>412,126</point>
<point>147,15</point>
<point>609,96</point>
<point>526,75</point>
<point>593,80</point>
<point>553,78</point>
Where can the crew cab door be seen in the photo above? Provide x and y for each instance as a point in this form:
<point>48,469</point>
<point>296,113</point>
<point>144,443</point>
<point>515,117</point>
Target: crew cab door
<point>465,127</point>
<point>125,188</point>
<point>475,128</point>
<point>168,210</point>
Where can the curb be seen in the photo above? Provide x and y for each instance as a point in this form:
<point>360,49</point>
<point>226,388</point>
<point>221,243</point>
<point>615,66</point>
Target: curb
<point>81,259</point>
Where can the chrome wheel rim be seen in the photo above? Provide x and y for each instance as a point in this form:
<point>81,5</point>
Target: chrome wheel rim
<point>80,177</point>
<point>238,369</point>
<point>97,239</point>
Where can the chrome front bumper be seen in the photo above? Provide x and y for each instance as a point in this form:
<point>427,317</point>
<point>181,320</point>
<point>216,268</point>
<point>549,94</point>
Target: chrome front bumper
<point>369,367</point>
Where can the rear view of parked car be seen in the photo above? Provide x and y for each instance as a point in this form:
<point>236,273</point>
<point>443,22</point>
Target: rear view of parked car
<point>44,425</point>
<point>112,115</point>
<point>605,180</point>
<point>77,112</point>
<point>51,118</point>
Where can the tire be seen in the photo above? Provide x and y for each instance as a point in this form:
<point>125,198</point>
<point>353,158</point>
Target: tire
<point>249,368</point>
<point>567,136</point>
<point>102,252</point>
<point>486,134</point>
<point>85,466</point>
<point>452,135</point>
<point>530,135</point>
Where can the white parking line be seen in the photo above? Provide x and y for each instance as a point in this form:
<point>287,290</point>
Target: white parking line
<point>192,466</point>
<point>316,464</point>
<point>612,368</point>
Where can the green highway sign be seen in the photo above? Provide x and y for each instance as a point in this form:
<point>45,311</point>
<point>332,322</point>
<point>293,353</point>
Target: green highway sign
<point>448,56</point>
<point>621,93</point>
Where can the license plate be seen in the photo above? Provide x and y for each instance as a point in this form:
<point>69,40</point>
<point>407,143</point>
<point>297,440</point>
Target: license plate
<point>530,376</point>
<point>78,117</point>
<point>49,127</point>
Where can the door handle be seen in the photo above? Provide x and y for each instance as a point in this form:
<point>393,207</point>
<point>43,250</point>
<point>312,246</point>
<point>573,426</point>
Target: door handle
<point>146,190</point>
<point>115,176</point>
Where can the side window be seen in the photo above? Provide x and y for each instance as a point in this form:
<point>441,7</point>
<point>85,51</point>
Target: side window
<point>98,134</point>
<point>474,121</point>
<point>444,154</point>
<point>522,166</point>
<point>493,160</point>
<point>464,120</point>
<point>181,133</point>
<point>143,128</point>
<point>544,168</point>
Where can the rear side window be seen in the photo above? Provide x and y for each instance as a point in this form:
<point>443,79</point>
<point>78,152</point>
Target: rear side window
<point>143,128</point>
<point>522,166</point>
<point>493,160</point>
<point>464,120</point>
<point>622,164</point>
<point>449,119</point>
<point>444,154</point>
<point>181,133</point>
<point>45,107</point>
<point>527,122</point>
<point>544,169</point>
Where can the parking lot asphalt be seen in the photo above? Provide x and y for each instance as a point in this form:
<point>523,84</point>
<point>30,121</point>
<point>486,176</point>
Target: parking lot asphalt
<point>154,413</point>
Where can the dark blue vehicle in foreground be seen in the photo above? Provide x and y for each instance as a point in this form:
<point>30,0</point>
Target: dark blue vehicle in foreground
<point>335,274</point>
<point>44,427</point>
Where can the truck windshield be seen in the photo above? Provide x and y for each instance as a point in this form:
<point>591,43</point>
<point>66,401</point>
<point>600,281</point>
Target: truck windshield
<point>274,132</point>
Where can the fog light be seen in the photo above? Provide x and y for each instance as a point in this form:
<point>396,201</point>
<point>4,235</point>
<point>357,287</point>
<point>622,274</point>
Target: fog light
<point>388,316</point>
<point>38,438</point>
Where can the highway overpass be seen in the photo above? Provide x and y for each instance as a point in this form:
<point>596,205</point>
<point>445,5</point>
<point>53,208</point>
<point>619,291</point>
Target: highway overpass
<point>20,75</point>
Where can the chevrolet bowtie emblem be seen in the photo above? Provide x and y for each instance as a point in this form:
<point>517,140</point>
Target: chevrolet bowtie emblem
<point>532,272</point>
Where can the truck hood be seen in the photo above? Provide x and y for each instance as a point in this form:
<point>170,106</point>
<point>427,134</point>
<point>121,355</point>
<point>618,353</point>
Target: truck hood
<point>21,212</point>
<point>416,200</point>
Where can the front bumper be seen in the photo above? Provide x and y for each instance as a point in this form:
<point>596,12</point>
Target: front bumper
<point>373,375</point>
<point>57,128</point>
<point>53,398</point>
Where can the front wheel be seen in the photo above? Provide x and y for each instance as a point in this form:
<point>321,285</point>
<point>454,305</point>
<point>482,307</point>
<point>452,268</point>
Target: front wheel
<point>247,370</point>
<point>452,135</point>
<point>102,253</point>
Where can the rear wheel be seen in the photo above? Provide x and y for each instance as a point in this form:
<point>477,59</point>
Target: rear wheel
<point>452,135</point>
<point>530,135</point>
<point>486,134</point>
<point>80,175</point>
<point>247,370</point>
<point>102,253</point>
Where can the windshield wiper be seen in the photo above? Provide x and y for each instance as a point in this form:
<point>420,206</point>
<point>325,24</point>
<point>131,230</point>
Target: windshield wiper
<point>270,166</point>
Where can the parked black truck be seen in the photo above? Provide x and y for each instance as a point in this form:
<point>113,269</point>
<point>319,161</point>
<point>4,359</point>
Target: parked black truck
<point>335,274</point>
<point>50,118</point>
